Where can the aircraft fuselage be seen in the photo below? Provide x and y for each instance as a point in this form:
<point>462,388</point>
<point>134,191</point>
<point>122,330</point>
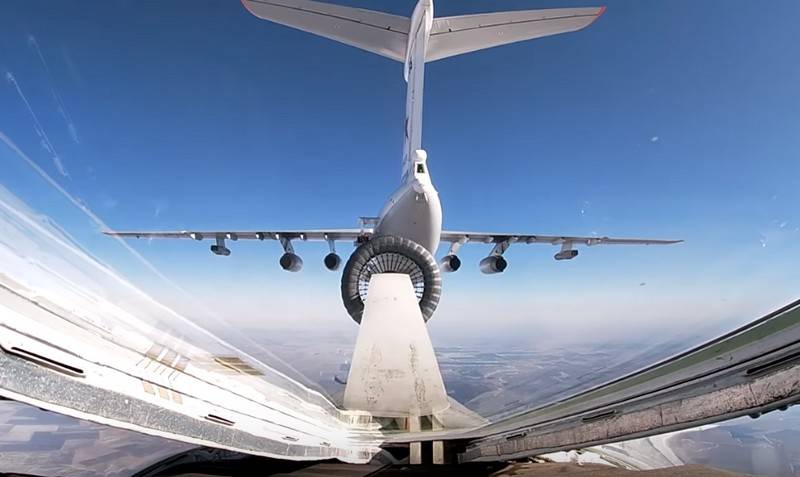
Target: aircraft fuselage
<point>413,210</point>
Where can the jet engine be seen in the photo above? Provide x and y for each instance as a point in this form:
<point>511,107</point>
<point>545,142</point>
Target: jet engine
<point>450,263</point>
<point>332,262</point>
<point>391,254</point>
<point>220,250</point>
<point>493,264</point>
<point>291,262</point>
<point>566,255</point>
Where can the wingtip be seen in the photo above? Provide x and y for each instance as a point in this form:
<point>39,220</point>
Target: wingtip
<point>599,13</point>
<point>248,7</point>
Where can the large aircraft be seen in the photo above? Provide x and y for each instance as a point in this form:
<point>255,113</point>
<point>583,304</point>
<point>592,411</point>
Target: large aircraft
<point>407,232</point>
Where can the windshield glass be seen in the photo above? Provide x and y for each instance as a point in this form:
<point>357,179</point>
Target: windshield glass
<point>650,123</point>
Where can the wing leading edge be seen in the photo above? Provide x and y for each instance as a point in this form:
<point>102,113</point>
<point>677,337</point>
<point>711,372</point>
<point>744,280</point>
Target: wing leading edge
<point>484,237</point>
<point>495,263</point>
<point>312,235</point>
<point>567,242</point>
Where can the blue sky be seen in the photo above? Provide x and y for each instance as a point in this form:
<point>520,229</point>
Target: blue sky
<point>663,119</point>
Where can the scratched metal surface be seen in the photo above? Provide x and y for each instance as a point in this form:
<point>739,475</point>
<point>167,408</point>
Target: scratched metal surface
<point>23,380</point>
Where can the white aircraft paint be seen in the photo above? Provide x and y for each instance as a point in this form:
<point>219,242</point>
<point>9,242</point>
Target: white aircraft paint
<point>394,372</point>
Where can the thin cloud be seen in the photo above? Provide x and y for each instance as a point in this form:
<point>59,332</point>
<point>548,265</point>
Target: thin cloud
<point>655,139</point>
<point>60,106</point>
<point>44,140</point>
<point>60,166</point>
<point>159,206</point>
<point>72,69</point>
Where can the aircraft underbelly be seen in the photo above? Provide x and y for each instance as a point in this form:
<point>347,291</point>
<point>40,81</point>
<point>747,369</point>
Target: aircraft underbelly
<point>415,215</point>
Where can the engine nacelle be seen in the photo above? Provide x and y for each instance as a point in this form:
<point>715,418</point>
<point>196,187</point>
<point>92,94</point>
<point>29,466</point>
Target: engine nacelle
<point>566,255</point>
<point>332,262</point>
<point>493,264</point>
<point>449,263</point>
<point>291,262</point>
<point>220,250</point>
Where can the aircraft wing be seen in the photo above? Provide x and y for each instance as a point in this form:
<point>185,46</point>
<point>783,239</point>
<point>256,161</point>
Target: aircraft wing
<point>567,243</point>
<point>453,36</point>
<point>355,234</point>
<point>484,237</point>
<point>313,235</point>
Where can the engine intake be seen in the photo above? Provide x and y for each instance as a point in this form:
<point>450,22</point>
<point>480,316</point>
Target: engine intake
<point>291,262</point>
<point>450,263</point>
<point>391,254</point>
<point>493,264</point>
<point>332,262</point>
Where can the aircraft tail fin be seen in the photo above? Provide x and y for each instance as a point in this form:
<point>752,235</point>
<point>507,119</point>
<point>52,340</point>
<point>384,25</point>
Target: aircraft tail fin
<point>376,32</point>
<point>453,36</point>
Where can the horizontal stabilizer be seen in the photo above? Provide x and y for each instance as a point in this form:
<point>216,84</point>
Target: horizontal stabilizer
<point>376,32</point>
<point>453,36</point>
